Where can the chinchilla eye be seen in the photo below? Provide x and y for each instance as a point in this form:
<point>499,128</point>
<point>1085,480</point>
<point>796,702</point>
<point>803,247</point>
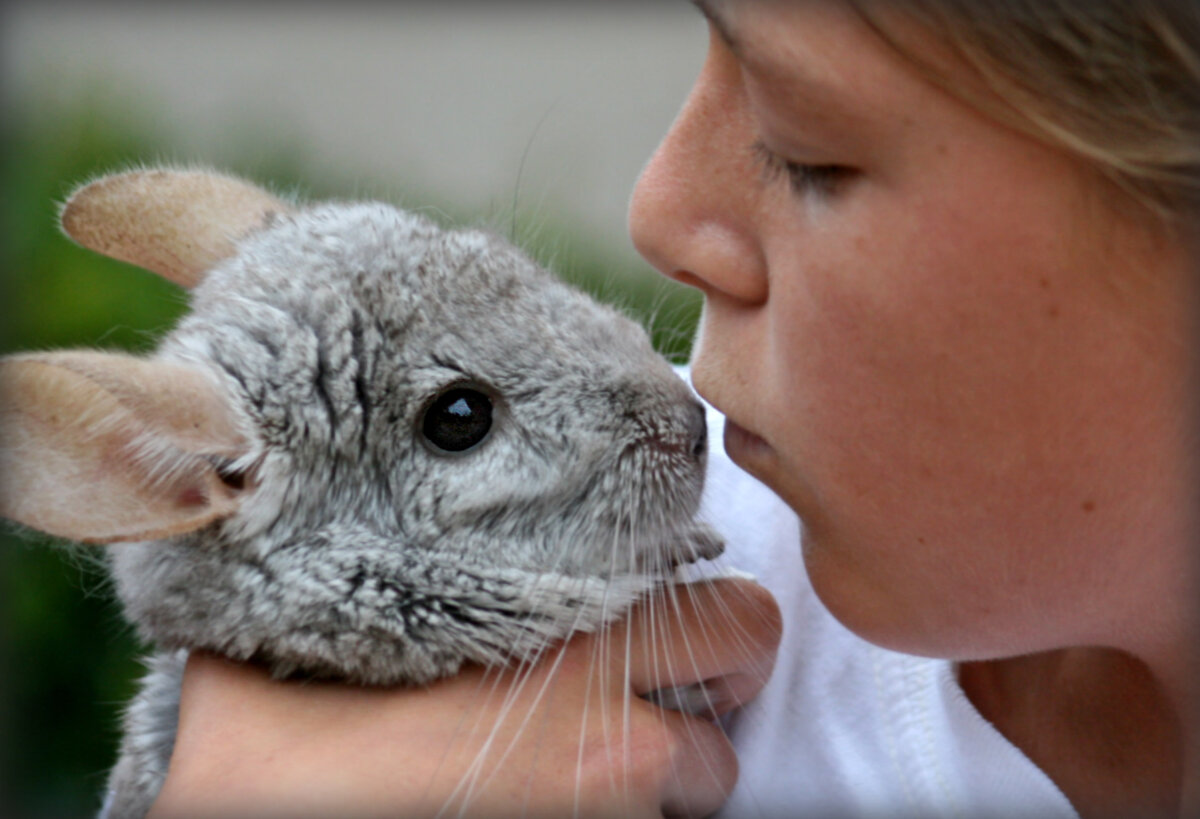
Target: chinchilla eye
<point>457,420</point>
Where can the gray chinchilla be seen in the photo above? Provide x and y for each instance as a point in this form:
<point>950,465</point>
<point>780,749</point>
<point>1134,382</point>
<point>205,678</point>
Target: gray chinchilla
<point>373,450</point>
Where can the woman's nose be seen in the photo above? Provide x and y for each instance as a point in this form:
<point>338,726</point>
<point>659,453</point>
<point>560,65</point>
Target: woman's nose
<point>693,210</point>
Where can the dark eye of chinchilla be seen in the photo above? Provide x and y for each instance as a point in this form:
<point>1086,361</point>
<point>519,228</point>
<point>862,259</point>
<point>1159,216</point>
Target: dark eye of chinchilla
<point>457,420</point>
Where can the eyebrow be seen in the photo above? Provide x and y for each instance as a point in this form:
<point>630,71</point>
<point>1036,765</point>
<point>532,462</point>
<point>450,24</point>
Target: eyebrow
<point>814,88</point>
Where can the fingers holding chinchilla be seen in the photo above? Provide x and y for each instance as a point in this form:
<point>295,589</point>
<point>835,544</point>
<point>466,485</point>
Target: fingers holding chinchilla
<point>622,756</point>
<point>714,640</point>
<point>703,772</point>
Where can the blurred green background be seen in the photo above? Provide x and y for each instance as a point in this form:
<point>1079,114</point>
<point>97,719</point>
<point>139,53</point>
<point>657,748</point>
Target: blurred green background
<point>68,660</point>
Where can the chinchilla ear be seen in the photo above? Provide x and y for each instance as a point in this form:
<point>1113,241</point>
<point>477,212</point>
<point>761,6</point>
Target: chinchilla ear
<point>177,223</point>
<point>103,447</point>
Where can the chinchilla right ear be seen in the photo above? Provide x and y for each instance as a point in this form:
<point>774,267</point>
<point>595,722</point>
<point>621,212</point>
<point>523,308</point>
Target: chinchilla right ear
<point>102,447</point>
<point>177,223</point>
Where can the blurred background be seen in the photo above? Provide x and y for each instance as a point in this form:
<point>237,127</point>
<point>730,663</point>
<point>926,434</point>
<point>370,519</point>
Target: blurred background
<point>532,119</point>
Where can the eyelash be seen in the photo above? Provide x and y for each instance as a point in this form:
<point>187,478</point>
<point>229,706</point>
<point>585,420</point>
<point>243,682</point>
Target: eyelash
<point>822,180</point>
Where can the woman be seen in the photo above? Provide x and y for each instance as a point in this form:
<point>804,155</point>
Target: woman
<point>945,249</point>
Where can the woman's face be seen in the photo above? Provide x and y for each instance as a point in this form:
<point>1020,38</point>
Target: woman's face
<point>931,337</point>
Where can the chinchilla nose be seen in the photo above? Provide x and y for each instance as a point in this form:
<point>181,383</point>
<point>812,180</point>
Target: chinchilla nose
<point>698,430</point>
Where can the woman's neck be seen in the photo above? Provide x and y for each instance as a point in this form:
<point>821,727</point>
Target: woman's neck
<point>1112,732</point>
<point>1177,669</point>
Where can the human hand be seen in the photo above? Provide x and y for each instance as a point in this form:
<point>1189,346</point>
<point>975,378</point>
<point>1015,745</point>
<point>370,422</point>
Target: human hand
<point>567,735</point>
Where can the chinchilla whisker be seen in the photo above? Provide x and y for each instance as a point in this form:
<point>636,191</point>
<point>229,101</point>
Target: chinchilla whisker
<point>474,778</point>
<point>627,700</point>
<point>584,716</point>
<point>511,696</point>
<point>705,761</point>
<point>721,612</point>
<point>521,168</point>
<point>603,648</point>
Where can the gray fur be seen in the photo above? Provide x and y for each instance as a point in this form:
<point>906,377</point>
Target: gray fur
<point>362,554</point>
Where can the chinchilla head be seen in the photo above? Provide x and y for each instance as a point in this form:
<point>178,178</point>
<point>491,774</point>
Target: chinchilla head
<point>373,448</point>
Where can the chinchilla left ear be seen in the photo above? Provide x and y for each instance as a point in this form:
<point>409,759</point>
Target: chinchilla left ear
<point>102,447</point>
<point>176,223</point>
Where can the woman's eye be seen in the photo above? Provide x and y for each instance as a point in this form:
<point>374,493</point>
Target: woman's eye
<point>822,180</point>
<point>458,420</point>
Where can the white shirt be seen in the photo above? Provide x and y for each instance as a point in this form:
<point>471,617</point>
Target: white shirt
<point>844,728</point>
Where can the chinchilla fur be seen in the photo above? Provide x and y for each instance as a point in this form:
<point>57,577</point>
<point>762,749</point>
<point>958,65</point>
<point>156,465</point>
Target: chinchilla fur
<point>363,551</point>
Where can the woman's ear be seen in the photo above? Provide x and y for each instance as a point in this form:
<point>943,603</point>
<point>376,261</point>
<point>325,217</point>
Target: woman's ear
<point>103,447</point>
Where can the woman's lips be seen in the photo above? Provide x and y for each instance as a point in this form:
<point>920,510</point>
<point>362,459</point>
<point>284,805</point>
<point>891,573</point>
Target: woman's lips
<point>742,444</point>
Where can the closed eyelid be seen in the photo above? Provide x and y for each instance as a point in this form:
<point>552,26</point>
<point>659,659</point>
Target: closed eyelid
<point>804,178</point>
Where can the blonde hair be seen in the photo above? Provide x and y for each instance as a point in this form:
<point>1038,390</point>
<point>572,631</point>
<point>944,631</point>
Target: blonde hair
<point>1116,82</point>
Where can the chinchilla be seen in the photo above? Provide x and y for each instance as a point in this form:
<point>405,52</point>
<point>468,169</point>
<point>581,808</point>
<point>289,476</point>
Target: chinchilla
<point>373,449</point>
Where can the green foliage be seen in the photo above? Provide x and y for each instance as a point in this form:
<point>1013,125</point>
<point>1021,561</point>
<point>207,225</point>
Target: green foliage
<point>69,660</point>
<point>68,657</point>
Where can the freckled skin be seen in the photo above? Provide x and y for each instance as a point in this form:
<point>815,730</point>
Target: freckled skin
<point>946,357</point>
